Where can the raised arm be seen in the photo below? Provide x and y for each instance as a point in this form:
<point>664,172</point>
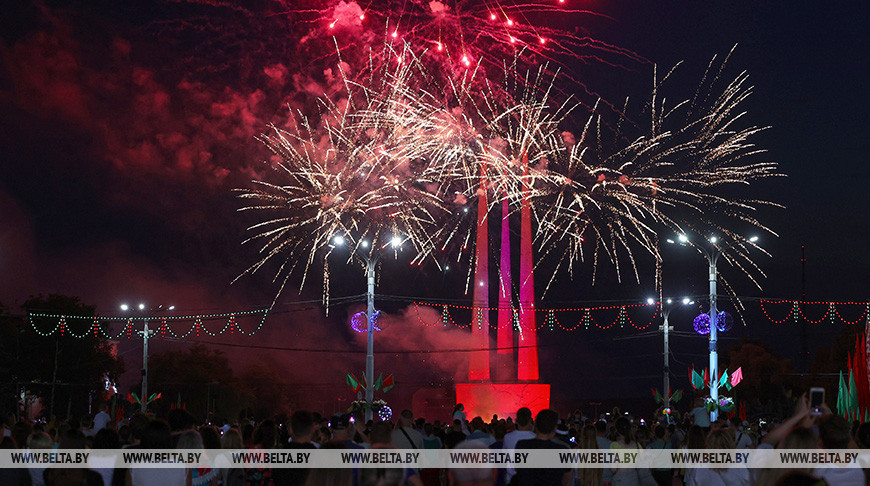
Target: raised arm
<point>802,411</point>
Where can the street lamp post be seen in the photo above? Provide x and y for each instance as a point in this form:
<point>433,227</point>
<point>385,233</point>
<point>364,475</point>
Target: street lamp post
<point>146,334</point>
<point>712,254</point>
<point>665,328</point>
<point>371,263</point>
<point>143,402</point>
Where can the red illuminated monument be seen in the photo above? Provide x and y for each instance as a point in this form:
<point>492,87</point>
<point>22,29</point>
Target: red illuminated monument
<point>482,395</point>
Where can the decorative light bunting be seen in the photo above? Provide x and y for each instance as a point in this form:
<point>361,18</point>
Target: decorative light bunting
<point>549,322</point>
<point>163,331</point>
<point>832,313</point>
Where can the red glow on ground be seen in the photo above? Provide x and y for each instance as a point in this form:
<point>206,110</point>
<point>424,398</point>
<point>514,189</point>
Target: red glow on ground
<point>504,399</point>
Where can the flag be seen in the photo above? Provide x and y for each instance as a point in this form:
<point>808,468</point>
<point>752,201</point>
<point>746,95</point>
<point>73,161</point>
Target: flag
<point>697,381</point>
<point>737,376</point>
<point>676,396</point>
<point>861,377</point>
<point>353,382</point>
<point>853,397</point>
<point>388,384</point>
<point>865,365</point>
<point>723,379</point>
<point>379,381</point>
<point>859,368</point>
<point>841,396</point>
<point>657,396</point>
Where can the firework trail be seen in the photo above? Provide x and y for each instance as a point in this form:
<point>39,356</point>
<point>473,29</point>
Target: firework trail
<point>463,32</point>
<point>450,37</point>
<point>369,175</point>
<point>615,197</point>
<point>451,103</point>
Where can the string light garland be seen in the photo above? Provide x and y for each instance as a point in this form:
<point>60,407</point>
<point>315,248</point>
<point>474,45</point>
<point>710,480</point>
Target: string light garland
<point>832,311</point>
<point>549,322</point>
<point>62,328</point>
<point>65,324</point>
<point>552,322</point>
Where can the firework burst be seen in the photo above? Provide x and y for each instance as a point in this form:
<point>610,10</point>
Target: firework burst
<point>672,177</point>
<point>459,35</point>
<point>367,174</point>
<point>460,101</point>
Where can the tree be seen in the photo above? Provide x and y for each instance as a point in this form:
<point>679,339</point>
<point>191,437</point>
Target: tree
<point>767,378</point>
<point>61,369</point>
<point>199,379</point>
<point>269,394</point>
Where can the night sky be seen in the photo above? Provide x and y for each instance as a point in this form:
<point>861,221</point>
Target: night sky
<point>125,127</point>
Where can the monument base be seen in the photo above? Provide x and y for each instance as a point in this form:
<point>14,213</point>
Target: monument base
<point>502,399</point>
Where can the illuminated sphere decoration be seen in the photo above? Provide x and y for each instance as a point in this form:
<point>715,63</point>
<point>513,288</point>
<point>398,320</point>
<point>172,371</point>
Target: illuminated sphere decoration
<point>385,413</point>
<point>702,324</point>
<point>724,322</point>
<point>359,322</point>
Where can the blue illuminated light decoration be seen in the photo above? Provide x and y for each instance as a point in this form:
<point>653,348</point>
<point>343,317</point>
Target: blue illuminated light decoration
<point>702,324</point>
<point>724,322</point>
<point>358,321</point>
<point>385,413</point>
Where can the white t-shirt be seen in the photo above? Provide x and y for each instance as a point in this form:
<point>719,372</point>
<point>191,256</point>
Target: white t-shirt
<point>36,478</point>
<point>840,476</point>
<point>105,466</point>
<point>742,439</point>
<point>510,443</point>
<point>101,420</point>
<point>399,439</point>
<point>176,476</point>
<point>462,475</point>
<point>724,477</point>
<point>701,416</point>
